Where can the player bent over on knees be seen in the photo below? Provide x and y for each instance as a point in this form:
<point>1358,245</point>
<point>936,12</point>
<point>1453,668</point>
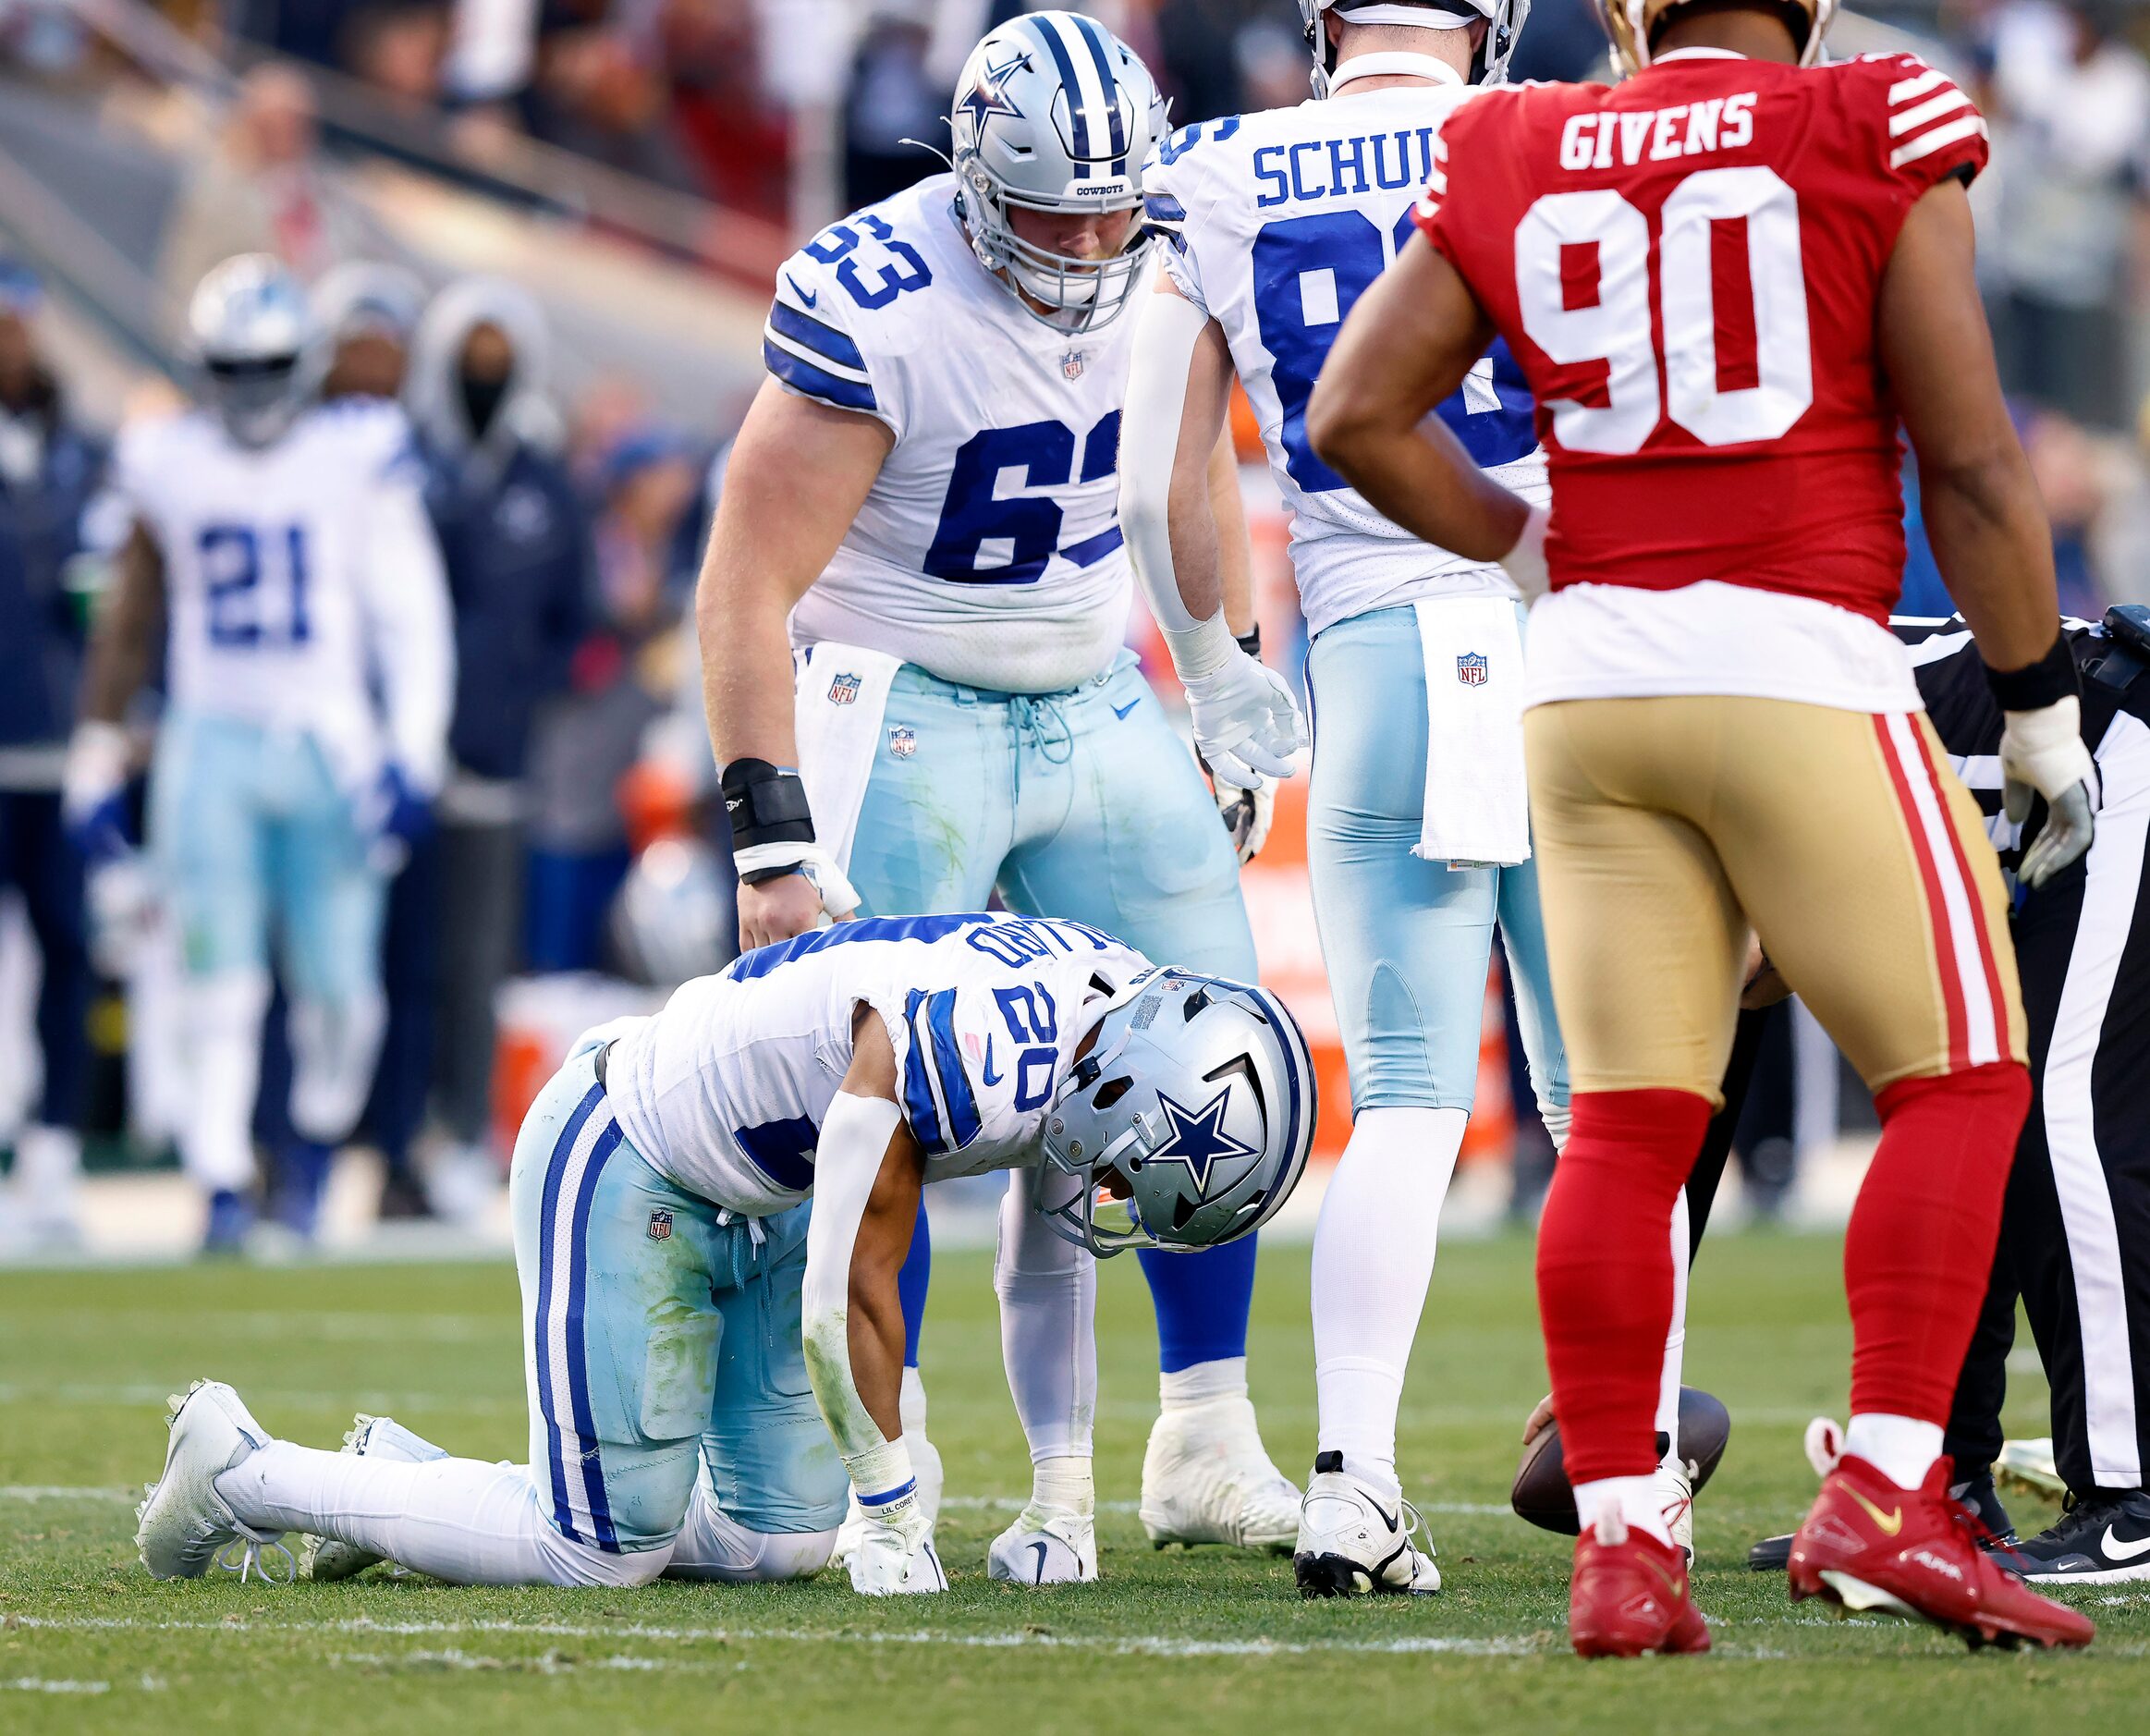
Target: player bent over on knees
<point>692,1338</point>
<point>1721,730</point>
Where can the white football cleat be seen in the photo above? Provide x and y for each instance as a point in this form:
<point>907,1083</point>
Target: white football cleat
<point>925,1465</point>
<point>327,1558</point>
<point>1045,1546</point>
<point>1354,1541</point>
<point>186,1525</point>
<point>1675,1484</point>
<point>885,1566</point>
<point>1207,1478</point>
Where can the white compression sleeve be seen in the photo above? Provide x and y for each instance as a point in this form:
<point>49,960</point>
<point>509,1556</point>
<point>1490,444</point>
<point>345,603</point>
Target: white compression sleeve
<point>457,1519</point>
<point>854,1140</point>
<point>1165,332</point>
<point>1048,1309</point>
<point>1373,1259</point>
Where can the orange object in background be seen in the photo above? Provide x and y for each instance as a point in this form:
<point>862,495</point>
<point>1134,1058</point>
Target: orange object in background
<point>655,802</point>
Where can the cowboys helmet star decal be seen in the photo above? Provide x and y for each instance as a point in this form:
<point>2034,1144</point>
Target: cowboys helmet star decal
<point>1197,1139</point>
<point>987,96</point>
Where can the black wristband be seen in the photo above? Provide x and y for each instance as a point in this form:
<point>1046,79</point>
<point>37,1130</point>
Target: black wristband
<point>2046,682</point>
<point>1250,641</point>
<point>766,805</point>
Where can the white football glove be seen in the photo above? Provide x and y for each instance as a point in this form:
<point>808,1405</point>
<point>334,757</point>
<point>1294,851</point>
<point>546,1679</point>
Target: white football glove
<point>2041,754</point>
<point>1247,725</point>
<point>884,1564</point>
<point>839,897</point>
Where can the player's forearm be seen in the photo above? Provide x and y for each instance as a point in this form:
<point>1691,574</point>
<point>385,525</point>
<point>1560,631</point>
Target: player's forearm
<point>1234,554</point>
<point>1995,550</point>
<point>746,667</point>
<point>1412,471</point>
<point>125,637</point>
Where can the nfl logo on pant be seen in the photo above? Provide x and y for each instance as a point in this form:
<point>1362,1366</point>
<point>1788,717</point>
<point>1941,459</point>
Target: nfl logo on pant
<point>1471,669</point>
<point>660,1226</point>
<point>902,740</point>
<point>844,690</point>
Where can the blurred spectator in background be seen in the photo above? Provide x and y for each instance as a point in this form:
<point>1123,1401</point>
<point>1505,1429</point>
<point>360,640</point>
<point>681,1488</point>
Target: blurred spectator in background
<point>368,311</point>
<point>262,191</point>
<point>517,544</point>
<point>1561,39</point>
<point>1194,61</point>
<point>894,110</point>
<point>48,472</point>
<point>2064,238</point>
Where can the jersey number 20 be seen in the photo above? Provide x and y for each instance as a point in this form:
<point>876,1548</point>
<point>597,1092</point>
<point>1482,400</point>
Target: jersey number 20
<point>1561,229</point>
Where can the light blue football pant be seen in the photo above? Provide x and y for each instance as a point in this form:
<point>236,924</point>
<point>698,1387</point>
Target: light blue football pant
<point>661,1340</point>
<point>1086,805</point>
<point>253,840</point>
<point>1407,942</point>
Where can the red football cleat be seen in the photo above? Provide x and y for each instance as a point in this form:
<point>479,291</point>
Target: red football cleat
<point>1630,1597</point>
<point>1871,1546</point>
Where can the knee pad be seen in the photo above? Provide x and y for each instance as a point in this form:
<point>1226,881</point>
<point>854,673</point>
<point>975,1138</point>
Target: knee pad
<point>334,1046</point>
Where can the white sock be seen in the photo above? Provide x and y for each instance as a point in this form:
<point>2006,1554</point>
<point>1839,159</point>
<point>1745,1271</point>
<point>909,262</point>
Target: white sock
<point>1066,1486</point>
<point>911,1402</point>
<point>1048,1342</point>
<point>1373,1259</point>
<point>1675,1341</point>
<point>713,1545</point>
<point>1634,1499</point>
<point>333,1047</point>
<point>1901,1448</point>
<point>457,1519</point>
<point>221,1046</point>
<point>48,1162</point>
<point>1201,1382</point>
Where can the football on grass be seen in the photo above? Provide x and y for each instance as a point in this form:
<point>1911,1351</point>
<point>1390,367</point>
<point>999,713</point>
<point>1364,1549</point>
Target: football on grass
<point>1543,1495</point>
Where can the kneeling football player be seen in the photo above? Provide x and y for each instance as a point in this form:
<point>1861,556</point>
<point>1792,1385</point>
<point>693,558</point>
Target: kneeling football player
<point>692,1339</point>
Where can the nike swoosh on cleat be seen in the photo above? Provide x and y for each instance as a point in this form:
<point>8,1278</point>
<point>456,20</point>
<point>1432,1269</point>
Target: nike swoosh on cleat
<point>1040,1578</point>
<point>2120,1552</point>
<point>1121,710</point>
<point>1890,1524</point>
<point>1387,1519</point>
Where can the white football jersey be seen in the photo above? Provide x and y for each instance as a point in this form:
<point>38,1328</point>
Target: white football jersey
<point>1275,224</point>
<point>725,1090</point>
<point>265,557</point>
<point>989,550</point>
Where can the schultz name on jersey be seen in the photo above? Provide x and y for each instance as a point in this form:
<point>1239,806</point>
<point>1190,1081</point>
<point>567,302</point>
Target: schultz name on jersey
<point>725,1090</point>
<point>1275,224</point>
<point>988,551</point>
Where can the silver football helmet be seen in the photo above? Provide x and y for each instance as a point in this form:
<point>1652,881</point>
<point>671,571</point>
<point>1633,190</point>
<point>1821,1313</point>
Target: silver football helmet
<point>1187,1125</point>
<point>1504,22</point>
<point>1054,112</point>
<point>260,346</point>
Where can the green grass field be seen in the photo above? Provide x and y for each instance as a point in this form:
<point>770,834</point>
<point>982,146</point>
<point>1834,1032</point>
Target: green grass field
<point>1201,1640</point>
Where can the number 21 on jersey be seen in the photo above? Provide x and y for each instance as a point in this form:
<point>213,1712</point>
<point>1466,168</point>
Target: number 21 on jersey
<point>242,565</point>
<point>1721,398</point>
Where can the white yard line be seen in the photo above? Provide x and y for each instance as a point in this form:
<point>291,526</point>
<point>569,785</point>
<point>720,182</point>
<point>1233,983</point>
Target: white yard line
<point>1146,1645</point>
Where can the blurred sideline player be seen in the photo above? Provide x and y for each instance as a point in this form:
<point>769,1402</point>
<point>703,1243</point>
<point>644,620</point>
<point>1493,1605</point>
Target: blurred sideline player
<point>925,489</point>
<point>678,1304</point>
<point>282,548</point>
<point>2074,1239</point>
<point>1725,280</point>
<point>1418,834</point>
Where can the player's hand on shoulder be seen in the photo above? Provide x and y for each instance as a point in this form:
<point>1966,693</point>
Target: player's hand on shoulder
<point>886,1565</point>
<point>791,904</point>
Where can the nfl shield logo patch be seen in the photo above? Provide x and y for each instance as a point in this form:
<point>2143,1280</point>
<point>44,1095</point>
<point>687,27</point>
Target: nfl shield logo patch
<point>844,690</point>
<point>1071,365</point>
<point>660,1226</point>
<point>902,741</point>
<point>1471,669</point>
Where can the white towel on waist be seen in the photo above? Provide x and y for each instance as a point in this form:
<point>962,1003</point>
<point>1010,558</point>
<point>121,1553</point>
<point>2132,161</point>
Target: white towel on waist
<point>840,697</point>
<point>1477,804</point>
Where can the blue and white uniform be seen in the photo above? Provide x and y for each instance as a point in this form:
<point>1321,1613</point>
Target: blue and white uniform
<point>1273,225</point>
<point>659,1189</point>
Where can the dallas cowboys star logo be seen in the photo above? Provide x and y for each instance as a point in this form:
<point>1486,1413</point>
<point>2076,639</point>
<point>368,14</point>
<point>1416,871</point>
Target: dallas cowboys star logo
<point>987,97</point>
<point>1198,1139</point>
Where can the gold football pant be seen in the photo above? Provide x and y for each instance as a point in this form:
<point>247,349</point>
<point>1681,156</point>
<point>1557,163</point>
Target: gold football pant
<point>1665,828</point>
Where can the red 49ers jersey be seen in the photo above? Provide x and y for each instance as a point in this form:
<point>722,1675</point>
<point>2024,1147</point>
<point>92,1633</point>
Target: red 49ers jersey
<point>1687,268</point>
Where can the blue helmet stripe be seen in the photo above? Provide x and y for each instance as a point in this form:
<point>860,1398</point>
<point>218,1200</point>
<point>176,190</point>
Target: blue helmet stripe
<point>1095,35</point>
<point>1048,31</point>
<point>1287,1040</point>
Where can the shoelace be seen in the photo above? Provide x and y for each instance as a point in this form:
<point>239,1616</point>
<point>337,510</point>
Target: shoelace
<point>248,1545</point>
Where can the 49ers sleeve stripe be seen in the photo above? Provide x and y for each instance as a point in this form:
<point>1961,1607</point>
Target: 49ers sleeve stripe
<point>1938,137</point>
<point>1972,1041</point>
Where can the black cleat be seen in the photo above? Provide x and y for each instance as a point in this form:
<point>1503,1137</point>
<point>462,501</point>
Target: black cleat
<point>2101,1539</point>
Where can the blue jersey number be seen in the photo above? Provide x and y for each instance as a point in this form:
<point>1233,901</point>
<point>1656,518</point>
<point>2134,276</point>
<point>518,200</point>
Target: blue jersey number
<point>988,538</point>
<point>233,575</point>
<point>902,268</point>
<point>1307,274</point>
<point>1032,1018</point>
